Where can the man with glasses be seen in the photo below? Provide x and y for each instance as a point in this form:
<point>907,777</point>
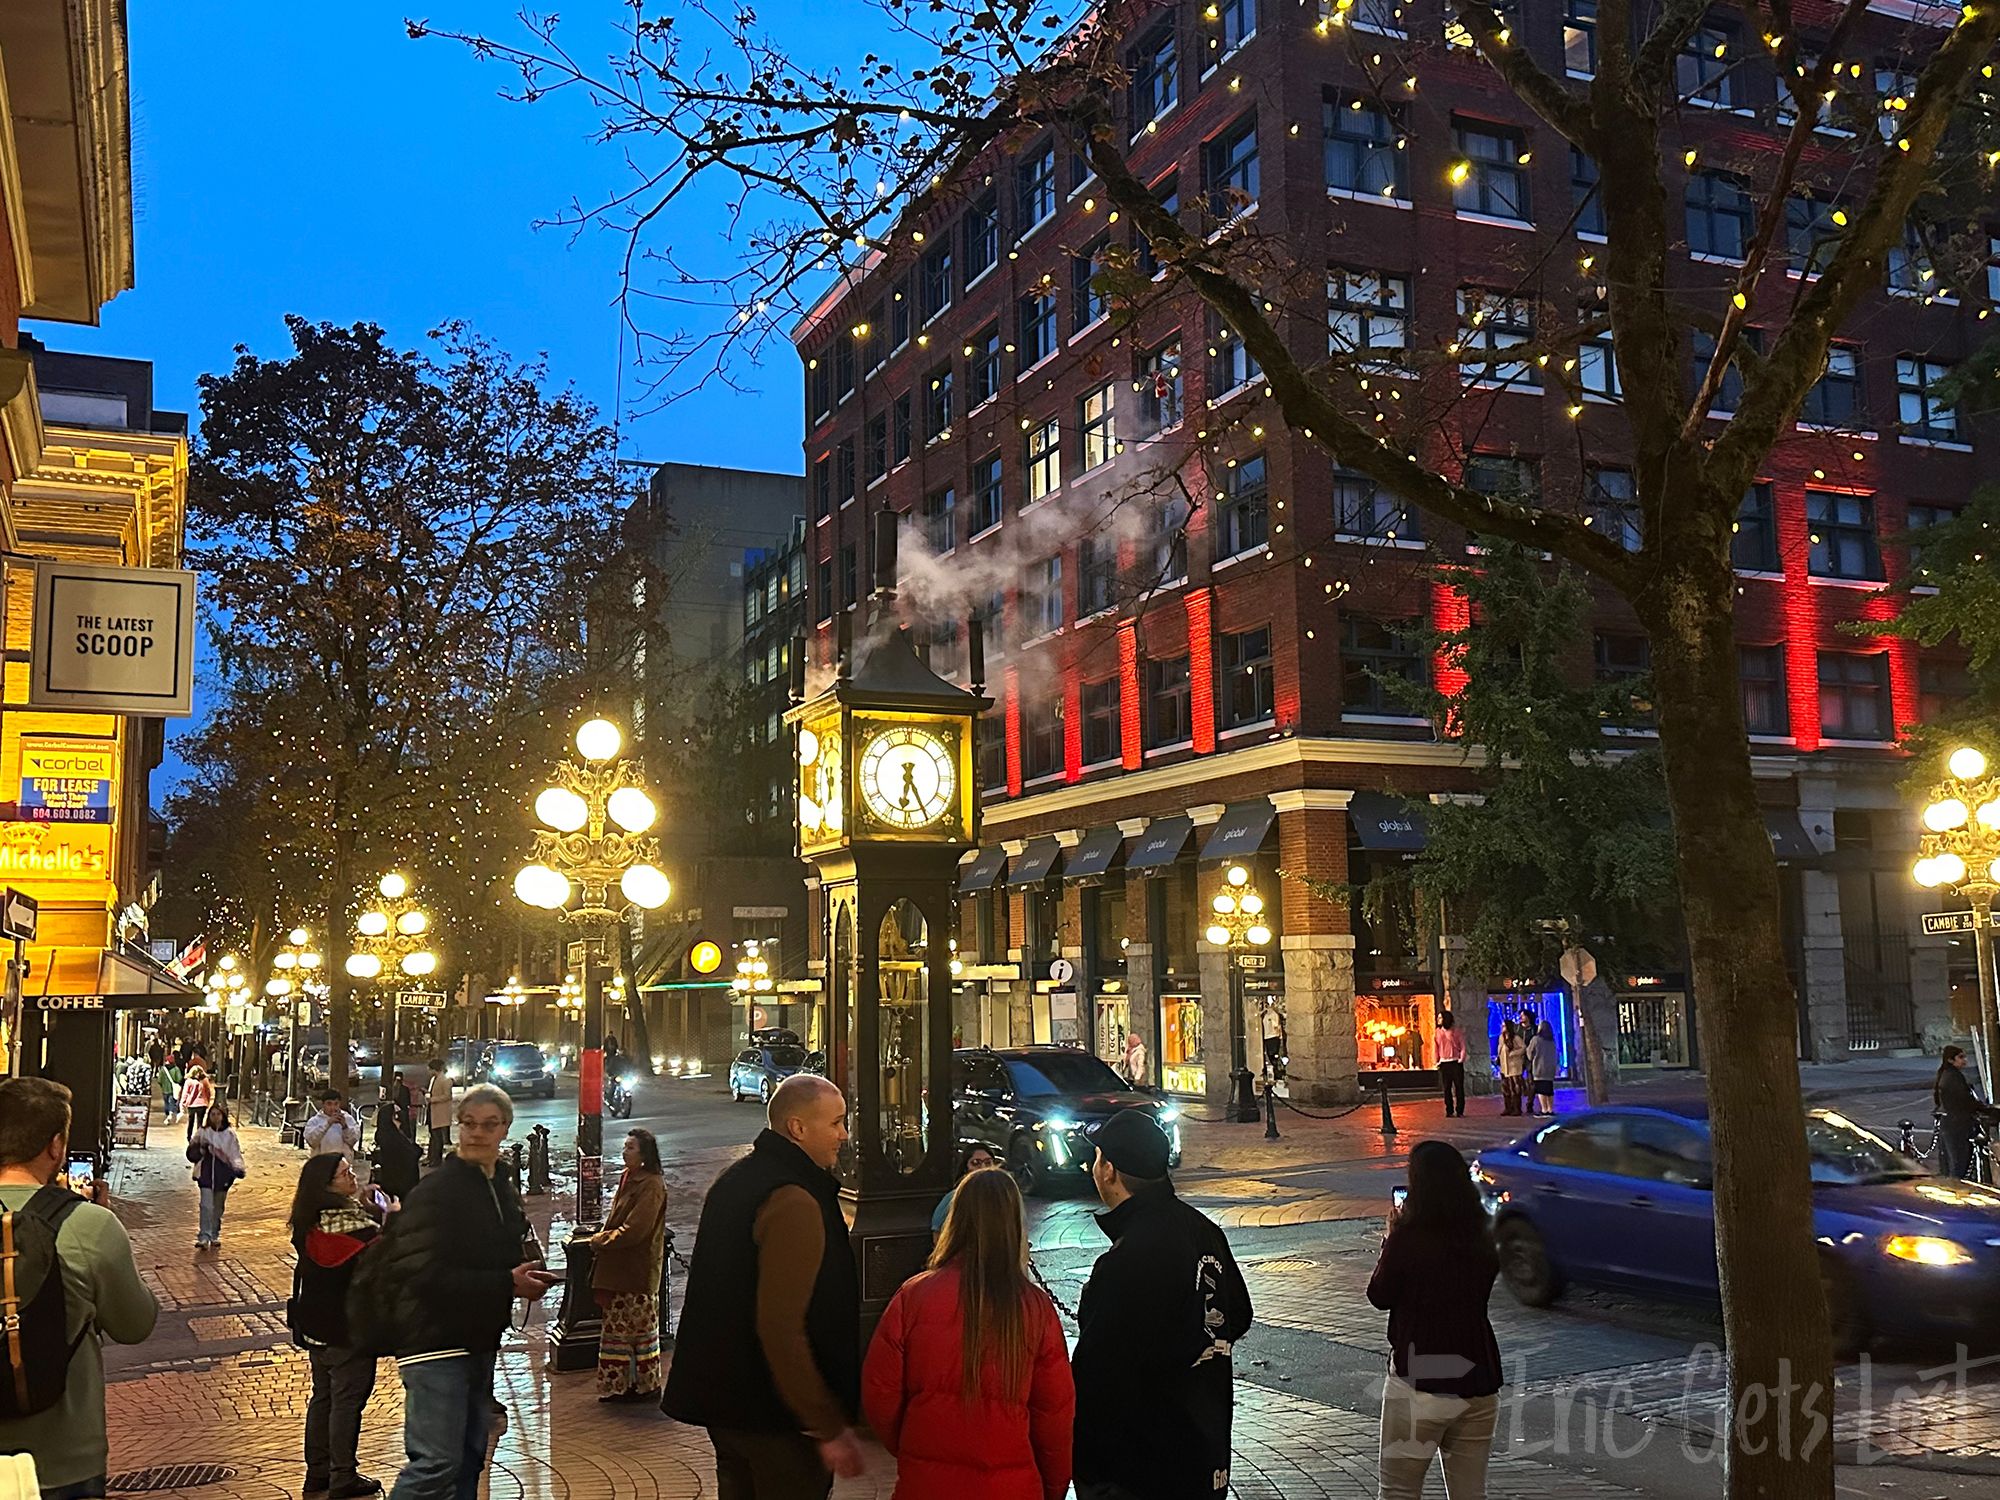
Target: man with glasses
<point>450,1266</point>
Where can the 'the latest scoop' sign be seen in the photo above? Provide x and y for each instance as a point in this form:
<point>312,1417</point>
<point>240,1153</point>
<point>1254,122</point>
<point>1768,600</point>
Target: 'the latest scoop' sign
<point>113,640</point>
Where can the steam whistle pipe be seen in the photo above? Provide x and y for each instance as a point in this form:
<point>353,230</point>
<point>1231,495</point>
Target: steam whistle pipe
<point>975,653</point>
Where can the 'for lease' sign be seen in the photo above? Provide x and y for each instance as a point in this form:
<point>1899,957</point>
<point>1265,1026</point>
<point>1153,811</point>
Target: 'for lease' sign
<point>113,640</point>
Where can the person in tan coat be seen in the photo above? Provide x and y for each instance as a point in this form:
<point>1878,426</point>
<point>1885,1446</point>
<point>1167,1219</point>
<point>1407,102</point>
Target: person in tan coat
<point>626,1257</point>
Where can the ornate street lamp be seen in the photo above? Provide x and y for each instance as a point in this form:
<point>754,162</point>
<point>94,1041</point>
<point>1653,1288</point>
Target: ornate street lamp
<point>1960,848</point>
<point>1238,925</point>
<point>295,984</point>
<point>392,942</point>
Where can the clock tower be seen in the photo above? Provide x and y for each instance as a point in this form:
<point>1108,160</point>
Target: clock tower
<point>887,807</point>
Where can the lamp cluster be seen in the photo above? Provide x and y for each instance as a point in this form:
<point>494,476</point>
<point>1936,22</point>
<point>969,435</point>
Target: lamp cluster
<point>1239,914</point>
<point>223,986</point>
<point>390,933</point>
<point>297,967</point>
<point>753,970</point>
<point>1961,842</point>
<point>596,816</point>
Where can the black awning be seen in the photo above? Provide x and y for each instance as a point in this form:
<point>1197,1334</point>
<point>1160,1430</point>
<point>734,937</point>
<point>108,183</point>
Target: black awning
<point>1788,835</point>
<point>1094,855</point>
<point>979,873</point>
<point>1241,832</point>
<point>1033,863</point>
<point>1161,843</point>
<point>1380,821</point>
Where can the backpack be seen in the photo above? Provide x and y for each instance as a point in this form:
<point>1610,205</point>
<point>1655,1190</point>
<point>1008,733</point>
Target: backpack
<point>34,1305</point>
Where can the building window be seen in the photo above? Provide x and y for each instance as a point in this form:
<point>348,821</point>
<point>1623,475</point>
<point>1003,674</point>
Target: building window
<point>1089,301</point>
<point>1044,458</point>
<point>1100,721</point>
<point>1812,233</point>
<point>985,369</point>
<point>1364,156</point>
<point>1038,329</point>
<point>986,495</point>
<point>982,237</point>
<point>1730,393</point>
<point>1037,187</point>
<point>1455,34</point>
<point>1042,597</point>
<point>1597,355</point>
<point>1753,543</point>
<point>1155,68</point>
<point>1169,718</point>
<point>1614,507</point>
<point>1920,518</point>
<point>940,645</point>
<point>1167,193</point>
<point>1098,426</point>
<point>1504,476</point>
<point>1841,530</point>
<point>1226,25</point>
<point>1625,660</point>
<point>1580,38</point>
<point>1911,270</point>
<point>1229,363</point>
<point>1491,175</point>
<point>1160,388</point>
<point>1854,695</point>
<point>937,286</point>
<point>1942,686</point>
<point>1761,671</point>
<point>1166,548</point>
<point>850,578</point>
<point>1921,410</point>
<point>1244,523</point>
<point>844,470</point>
<point>1835,398</point>
<point>874,341</point>
<point>1368,315</point>
<point>899,314</point>
<point>843,367</point>
<point>1364,511</point>
<point>1383,17</point>
<point>992,778</point>
<point>875,446</point>
<point>1041,736</point>
<point>819,390</point>
<point>1243,662</point>
<point>1487,323</point>
<point>1372,654</point>
<point>1232,171</point>
<point>902,427</point>
<point>991,615</point>
<point>825,594</point>
<point>941,520</point>
<point>1096,574</point>
<point>822,487</point>
<point>1720,215</point>
<point>1707,71</point>
<point>1584,196</point>
<point>937,404</point>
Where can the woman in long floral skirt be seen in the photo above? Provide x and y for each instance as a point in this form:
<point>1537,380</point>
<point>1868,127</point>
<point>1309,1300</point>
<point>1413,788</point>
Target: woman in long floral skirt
<point>625,1276</point>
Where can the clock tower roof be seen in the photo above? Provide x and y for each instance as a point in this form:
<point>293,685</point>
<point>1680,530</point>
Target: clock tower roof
<point>889,674</point>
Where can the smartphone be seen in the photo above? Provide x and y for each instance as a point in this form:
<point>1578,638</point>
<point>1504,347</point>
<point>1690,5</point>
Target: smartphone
<point>82,1176</point>
<point>1398,1196</point>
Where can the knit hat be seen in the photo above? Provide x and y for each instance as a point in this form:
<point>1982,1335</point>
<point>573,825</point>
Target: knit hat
<point>1133,1142</point>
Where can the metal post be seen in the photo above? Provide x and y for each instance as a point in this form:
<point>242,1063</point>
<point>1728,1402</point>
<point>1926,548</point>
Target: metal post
<point>1270,1103</point>
<point>1246,1096</point>
<point>590,1094</point>
<point>1982,945</point>
<point>1388,1120</point>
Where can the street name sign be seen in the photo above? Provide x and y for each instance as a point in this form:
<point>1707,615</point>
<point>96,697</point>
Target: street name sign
<point>1939,923</point>
<point>113,640</point>
<point>1252,960</point>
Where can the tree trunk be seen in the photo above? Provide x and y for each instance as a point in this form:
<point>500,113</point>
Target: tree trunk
<point>1774,1304</point>
<point>1597,1088</point>
<point>340,992</point>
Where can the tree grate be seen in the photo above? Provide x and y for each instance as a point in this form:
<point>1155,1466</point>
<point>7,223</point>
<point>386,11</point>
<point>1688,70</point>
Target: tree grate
<point>169,1477</point>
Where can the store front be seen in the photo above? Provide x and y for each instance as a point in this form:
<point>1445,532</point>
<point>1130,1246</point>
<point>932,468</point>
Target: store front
<point>1161,855</point>
<point>1653,1021</point>
<point>1105,1022</point>
<point>1527,1004</point>
<point>982,952</point>
<point>1395,1018</point>
<point>1395,990</point>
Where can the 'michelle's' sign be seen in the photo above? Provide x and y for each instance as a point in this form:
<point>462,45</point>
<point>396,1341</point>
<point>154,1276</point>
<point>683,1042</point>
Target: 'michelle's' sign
<point>113,640</point>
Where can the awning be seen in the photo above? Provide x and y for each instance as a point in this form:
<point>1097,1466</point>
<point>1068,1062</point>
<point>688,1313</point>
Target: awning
<point>1161,843</point>
<point>979,873</point>
<point>1241,831</point>
<point>1094,855</point>
<point>1380,821</point>
<point>1788,835</point>
<point>1032,864</point>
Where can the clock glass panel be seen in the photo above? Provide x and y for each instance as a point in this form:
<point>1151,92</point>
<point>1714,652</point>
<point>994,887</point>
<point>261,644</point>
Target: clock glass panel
<point>908,776</point>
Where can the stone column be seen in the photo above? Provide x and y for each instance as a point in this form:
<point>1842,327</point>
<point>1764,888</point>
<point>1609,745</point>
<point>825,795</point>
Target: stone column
<point>1465,994</point>
<point>1824,956</point>
<point>1317,944</point>
<point>1217,1044</point>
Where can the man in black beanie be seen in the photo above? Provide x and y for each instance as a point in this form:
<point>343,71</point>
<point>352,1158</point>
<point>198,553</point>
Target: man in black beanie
<point>1154,1329</point>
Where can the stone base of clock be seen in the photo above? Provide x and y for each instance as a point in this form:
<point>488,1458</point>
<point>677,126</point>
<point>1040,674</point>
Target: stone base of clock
<point>890,1232</point>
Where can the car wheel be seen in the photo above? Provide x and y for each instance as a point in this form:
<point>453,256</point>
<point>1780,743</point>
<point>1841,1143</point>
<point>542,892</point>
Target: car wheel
<point>764,1091</point>
<point>1846,1314</point>
<point>1021,1162</point>
<point>1524,1262</point>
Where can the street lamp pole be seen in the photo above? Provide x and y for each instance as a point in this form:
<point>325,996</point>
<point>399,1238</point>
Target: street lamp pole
<point>1238,925</point>
<point>391,943</point>
<point>1961,848</point>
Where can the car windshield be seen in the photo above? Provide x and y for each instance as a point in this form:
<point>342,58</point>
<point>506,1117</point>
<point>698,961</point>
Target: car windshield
<point>1062,1073</point>
<point>788,1057</point>
<point>1842,1152</point>
<point>523,1056</point>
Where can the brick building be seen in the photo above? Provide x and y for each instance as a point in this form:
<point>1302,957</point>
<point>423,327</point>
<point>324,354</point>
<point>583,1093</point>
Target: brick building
<point>1188,614</point>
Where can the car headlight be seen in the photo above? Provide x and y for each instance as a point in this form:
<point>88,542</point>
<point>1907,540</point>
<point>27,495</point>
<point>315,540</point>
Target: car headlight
<point>1927,1250</point>
<point>501,1070</point>
<point>1057,1122</point>
<point>1169,1113</point>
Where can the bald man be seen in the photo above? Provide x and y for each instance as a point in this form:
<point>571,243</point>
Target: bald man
<point>768,1356</point>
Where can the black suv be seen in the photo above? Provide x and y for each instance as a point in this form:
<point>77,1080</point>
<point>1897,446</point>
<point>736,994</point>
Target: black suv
<point>1036,1108</point>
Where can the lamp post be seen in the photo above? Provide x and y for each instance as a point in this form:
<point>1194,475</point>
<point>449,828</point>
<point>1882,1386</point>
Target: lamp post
<point>391,942</point>
<point>297,965</point>
<point>753,978</point>
<point>1960,848</point>
<point>1237,926</point>
<point>597,814</point>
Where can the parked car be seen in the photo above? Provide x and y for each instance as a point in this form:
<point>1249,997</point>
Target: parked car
<point>757,1070</point>
<point>519,1068</point>
<point>1036,1108</point>
<point>1623,1197</point>
<point>464,1056</point>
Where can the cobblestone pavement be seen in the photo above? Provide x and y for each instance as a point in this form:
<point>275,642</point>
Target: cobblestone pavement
<point>1604,1399</point>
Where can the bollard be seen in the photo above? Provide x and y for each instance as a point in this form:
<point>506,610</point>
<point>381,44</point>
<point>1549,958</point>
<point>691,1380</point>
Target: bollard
<point>1907,1141</point>
<point>520,1171</point>
<point>538,1159</point>
<point>1270,1107</point>
<point>1388,1120</point>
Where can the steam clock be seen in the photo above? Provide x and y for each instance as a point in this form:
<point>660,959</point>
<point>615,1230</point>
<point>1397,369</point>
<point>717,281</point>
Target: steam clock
<point>886,808</point>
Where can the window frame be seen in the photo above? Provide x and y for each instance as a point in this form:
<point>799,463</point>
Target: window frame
<point>1840,547</point>
<point>1041,450</point>
<point>989,496</point>
<point>1169,686</point>
<point>1371,650</point>
<point>1097,431</point>
<point>1363,151</point>
<point>1035,194</point>
<point>1879,694</point>
<point>1224,161</point>
<point>1387,311</point>
<point>1915,374</point>
<point>1243,514</point>
<point>1238,674</point>
<point>1478,192</point>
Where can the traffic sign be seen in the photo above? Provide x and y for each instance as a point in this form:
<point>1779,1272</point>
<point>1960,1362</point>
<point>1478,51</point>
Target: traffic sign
<point>18,915</point>
<point>1252,960</point>
<point>1938,923</point>
<point>412,999</point>
<point>1061,970</point>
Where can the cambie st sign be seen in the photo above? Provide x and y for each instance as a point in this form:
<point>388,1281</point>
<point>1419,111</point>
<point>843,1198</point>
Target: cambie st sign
<point>113,640</point>
<point>1938,923</point>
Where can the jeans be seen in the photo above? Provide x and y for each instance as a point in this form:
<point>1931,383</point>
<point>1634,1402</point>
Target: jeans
<point>1452,1076</point>
<point>213,1201</point>
<point>767,1466</point>
<point>83,1489</point>
<point>1417,1424</point>
<point>342,1381</point>
<point>1954,1143</point>
<point>447,1409</point>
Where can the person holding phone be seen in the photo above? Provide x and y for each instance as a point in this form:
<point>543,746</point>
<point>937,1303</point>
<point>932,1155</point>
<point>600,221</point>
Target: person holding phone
<point>331,1223</point>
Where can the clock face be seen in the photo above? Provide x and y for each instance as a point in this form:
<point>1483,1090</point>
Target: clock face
<point>908,776</point>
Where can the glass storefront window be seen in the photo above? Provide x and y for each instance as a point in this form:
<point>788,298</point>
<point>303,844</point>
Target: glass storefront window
<point>1181,1069</point>
<point>1652,1029</point>
<point>1392,1032</point>
<point>1113,1040</point>
<point>902,954</point>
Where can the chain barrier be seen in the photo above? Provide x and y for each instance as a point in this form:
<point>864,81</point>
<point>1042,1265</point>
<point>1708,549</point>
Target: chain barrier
<point>1061,1306</point>
<point>1336,1115</point>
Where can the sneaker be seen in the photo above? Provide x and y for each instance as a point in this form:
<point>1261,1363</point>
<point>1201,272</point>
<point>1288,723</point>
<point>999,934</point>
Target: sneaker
<point>357,1487</point>
<point>315,1484</point>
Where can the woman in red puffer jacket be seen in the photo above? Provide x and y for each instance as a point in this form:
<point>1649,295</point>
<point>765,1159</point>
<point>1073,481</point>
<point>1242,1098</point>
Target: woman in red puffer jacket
<point>967,1382</point>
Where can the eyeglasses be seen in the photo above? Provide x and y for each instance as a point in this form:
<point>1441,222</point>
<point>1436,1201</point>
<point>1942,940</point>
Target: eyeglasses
<point>481,1123</point>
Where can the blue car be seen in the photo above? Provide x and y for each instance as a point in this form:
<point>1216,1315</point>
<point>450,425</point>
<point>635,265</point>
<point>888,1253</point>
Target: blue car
<point>1622,1198</point>
<point>758,1070</point>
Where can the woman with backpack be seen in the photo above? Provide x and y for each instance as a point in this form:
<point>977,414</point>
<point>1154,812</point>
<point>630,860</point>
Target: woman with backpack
<point>967,1381</point>
<point>218,1166</point>
<point>330,1228</point>
<point>197,1093</point>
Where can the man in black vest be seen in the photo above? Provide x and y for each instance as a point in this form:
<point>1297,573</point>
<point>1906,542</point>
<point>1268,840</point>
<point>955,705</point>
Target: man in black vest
<point>768,1358</point>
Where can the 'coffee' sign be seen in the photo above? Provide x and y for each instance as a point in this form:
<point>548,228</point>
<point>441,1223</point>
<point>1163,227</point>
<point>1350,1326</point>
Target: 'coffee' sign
<point>113,640</point>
